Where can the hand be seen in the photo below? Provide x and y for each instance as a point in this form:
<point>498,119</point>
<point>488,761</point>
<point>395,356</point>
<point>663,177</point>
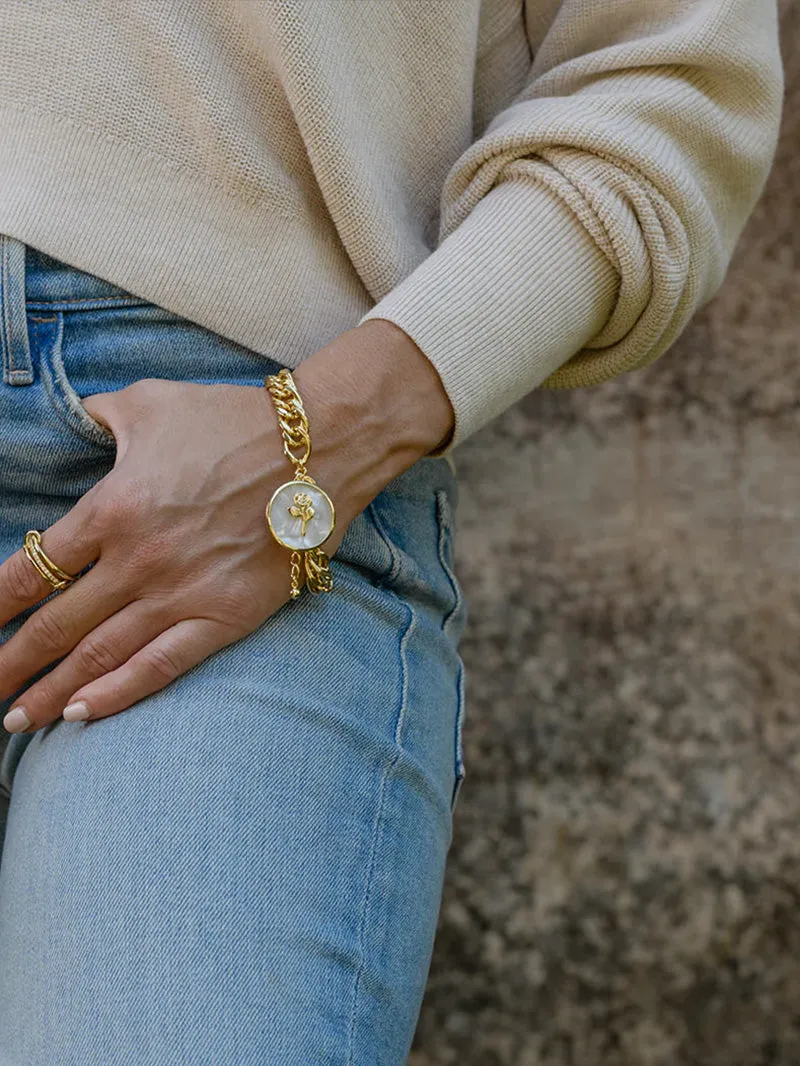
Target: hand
<point>184,563</point>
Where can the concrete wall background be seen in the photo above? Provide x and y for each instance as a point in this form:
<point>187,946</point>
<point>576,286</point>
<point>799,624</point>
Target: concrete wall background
<point>624,882</point>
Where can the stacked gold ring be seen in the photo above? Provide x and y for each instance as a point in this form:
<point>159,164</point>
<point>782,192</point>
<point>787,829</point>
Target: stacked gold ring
<point>32,547</point>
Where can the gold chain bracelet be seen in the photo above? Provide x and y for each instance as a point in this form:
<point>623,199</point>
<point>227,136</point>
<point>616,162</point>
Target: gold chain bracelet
<point>300,514</point>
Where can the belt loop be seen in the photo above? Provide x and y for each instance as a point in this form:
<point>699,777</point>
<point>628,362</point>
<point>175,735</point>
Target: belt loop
<point>17,363</point>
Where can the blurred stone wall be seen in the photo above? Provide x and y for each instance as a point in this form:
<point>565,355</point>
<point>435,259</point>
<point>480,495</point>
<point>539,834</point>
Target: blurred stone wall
<point>624,880</point>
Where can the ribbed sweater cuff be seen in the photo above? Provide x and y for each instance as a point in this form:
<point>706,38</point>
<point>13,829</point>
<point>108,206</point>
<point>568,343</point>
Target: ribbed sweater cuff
<point>512,293</point>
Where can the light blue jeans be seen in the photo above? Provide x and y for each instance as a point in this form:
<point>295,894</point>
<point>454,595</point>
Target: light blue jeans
<point>246,867</point>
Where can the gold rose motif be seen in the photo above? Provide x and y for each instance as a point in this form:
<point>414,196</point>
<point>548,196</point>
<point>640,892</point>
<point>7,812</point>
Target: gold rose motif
<point>303,509</point>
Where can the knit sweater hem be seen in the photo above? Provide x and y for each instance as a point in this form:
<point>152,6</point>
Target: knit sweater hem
<point>208,246</point>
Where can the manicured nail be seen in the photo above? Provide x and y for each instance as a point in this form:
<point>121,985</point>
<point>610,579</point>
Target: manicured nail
<point>16,720</point>
<point>76,712</point>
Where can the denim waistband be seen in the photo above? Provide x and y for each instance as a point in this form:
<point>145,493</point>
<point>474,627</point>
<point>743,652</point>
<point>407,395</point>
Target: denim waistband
<point>56,285</point>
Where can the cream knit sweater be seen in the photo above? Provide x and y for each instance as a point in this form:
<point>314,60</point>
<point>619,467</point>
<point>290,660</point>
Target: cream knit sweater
<point>538,192</point>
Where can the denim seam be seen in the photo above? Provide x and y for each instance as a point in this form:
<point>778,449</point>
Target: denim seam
<point>377,829</point>
<point>394,555</point>
<point>443,506</point>
<point>5,341</point>
<point>445,524</point>
<point>10,345</point>
<point>460,766</point>
<point>66,302</point>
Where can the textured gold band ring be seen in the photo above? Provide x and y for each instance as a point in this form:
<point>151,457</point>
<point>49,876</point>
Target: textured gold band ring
<point>32,547</point>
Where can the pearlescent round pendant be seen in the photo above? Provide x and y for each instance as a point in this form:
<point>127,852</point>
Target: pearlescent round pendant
<point>300,515</point>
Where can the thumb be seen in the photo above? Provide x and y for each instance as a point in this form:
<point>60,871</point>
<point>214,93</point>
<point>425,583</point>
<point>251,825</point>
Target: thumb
<point>99,410</point>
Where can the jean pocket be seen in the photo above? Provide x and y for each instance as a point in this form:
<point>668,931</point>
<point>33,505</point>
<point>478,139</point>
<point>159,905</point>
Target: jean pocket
<point>47,337</point>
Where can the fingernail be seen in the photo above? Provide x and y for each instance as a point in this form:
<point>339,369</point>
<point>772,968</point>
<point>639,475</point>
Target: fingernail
<point>16,720</point>
<point>75,712</point>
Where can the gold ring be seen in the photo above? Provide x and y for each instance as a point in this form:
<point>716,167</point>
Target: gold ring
<point>32,547</point>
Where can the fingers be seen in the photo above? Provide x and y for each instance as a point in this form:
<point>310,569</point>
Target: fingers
<point>72,543</point>
<point>58,625</point>
<point>172,653</point>
<point>103,650</point>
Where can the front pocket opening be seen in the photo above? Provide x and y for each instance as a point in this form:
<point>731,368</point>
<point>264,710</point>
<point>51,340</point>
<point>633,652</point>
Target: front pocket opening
<point>64,399</point>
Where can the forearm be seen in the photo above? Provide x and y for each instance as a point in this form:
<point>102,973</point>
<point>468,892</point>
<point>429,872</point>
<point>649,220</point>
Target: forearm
<point>375,405</point>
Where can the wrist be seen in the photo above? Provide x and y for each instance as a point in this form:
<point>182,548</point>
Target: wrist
<point>418,408</point>
<point>375,405</point>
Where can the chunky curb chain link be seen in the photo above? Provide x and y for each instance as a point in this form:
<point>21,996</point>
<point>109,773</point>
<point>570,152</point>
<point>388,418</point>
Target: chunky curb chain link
<point>291,418</point>
<point>297,439</point>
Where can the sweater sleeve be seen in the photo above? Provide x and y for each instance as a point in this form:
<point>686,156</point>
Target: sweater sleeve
<point>600,209</point>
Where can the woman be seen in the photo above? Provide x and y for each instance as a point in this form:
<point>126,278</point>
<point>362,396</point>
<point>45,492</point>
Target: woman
<point>230,807</point>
